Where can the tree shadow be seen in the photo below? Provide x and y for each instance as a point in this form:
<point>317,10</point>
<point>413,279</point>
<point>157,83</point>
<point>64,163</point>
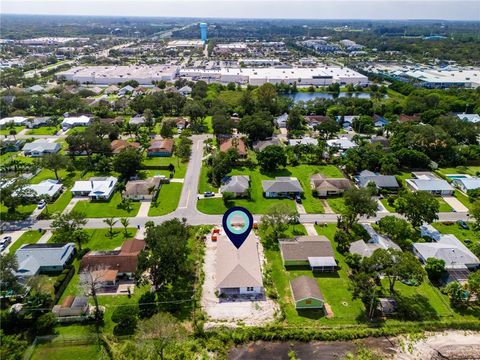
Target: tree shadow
<point>276,172</point>
<point>414,307</point>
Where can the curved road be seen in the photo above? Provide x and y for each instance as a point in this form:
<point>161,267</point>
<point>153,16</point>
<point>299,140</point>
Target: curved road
<point>187,206</point>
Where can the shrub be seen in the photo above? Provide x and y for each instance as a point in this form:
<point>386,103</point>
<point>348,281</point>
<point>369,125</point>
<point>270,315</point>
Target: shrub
<point>146,305</point>
<point>126,319</point>
<point>45,324</point>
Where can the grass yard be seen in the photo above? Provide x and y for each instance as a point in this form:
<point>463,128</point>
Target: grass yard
<point>471,170</point>
<point>6,130</point>
<point>7,156</point>
<point>180,167</point>
<point>30,237</point>
<point>111,208</point>
<point>60,204</point>
<point>65,352</point>
<point>334,287</point>
<point>336,203</point>
<point>461,234</point>
<point>44,130</point>
<point>22,212</point>
<point>444,207</point>
<point>203,184</point>
<point>258,204</point>
<point>464,199</point>
<point>167,200</point>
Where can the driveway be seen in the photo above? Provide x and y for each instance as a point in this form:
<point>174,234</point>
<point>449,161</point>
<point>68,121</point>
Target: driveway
<point>310,228</point>
<point>456,205</point>
<point>15,236</point>
<point>144,207</point>
<point>300,208</point>
<point>381,208</point>
<point>45,237</point>
<point>73,202</point>
<point>326,207</point>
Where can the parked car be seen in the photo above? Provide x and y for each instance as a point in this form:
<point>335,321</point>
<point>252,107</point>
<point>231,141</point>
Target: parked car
<point>41,204</point>
<point>6,240</point>
<point>298,199</point>
<point>463,224</point>
<point>208,194</point>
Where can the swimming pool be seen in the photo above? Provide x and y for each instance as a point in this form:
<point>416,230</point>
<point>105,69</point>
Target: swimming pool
<point>457,176</point>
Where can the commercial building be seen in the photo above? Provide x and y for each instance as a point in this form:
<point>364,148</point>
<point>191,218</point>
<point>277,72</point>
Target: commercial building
<point>106,75</point>
<point>185,44</point>
<point>316,76</point>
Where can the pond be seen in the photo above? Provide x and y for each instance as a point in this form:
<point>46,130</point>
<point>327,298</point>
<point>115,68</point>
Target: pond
<point>306,96</point>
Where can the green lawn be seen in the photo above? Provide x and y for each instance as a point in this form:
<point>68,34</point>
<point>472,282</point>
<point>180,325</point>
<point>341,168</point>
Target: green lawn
<point>471,170</point>
<point>30,237</point>
<point>464,199</point>
<point>444,207</point>
<point>258,204</point>
<point>66,352</point>
<point>180,167</point>
<point>102,209</point>
<point>208,125</point>
<point>167,200</point>
<point>203,184</point>
<point>6,130</point>
<point>337,204</point>
<point>22,212</point>
<point>60,204</point>
<point>387,205</point>
<point>461,234</point>
<point>334,287</point>
<point>7,156</point>
<point>44,130</point>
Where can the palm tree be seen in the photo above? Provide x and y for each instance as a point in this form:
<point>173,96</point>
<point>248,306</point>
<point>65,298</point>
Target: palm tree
<point>125,222</point>
<point>13,132</point>
<point>111,223</point>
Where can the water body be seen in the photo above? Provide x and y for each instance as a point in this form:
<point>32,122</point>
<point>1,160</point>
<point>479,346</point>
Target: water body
<point>306,96</point>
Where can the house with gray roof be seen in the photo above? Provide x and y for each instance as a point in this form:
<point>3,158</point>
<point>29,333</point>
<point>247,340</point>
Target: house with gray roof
<point>376,241</point>
<point>262,144</point>
<point>465,184</point>
<point>281,120</point>
<point>381,181</point>
<point>307,140</point>
<point>237,271</point>
<point>313,251</point>
<point>473,118</point>
<point>37,122</point>
<point>282,187</point>
<point>328,186</point>
<point>41,147</point>
<point>34,259</point>
<point>306,293</point>
<point>434,186</point>
<point>238,185</point>
<point>49,188</point>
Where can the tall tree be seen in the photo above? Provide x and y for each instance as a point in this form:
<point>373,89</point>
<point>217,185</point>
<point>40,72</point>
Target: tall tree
<point>358,202</point>
<point>66,226</point>
<point>15,193</point>
<point>53,162</point>
<point>196,111</point>
<point>111,223</point>
<point>222,123</point>
<point>127,162</point>
<point>91,280</point>
<point>165,256</point>
<point>277,219</point>
<point>258,126</point>
<point>125,222</point>
<point>295,120</point>
<point>8,268</point>
<point>418,207</point>
<point>272,157</point>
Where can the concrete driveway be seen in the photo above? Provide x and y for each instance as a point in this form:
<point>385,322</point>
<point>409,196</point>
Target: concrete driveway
<point>456,205</point>
<point>15,236</point>
<point>144,208</point>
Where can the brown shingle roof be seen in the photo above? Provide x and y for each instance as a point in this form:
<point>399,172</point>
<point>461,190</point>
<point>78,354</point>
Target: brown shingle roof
<point>237,143</point>
<point>165,145</point>
<point>304,287</point>
<point>320,183</point>
<point>119,145</point>
<point>141,187</point>
<point>304,247</point>
<point>123,260</point>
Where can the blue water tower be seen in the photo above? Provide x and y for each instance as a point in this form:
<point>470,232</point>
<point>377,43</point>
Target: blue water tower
<point>203,31</point>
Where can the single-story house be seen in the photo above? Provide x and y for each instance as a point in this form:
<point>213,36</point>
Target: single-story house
<point>11,145</point>
<point>237,185</point>
<point>449,249</point>
<point>346,121</point>
<point>313,251</point>
<point>303,141</point>
<point>34,259</point>
<point>262,144</point>
<point>465,184</point>
<point>282,187</point>
<point>125,90</point>
<point>234,143</point>
<point>114,263</point>
<point>160,148</point>
<point>73,121</point>
<point>237,271</point>
<point>47,188</point>
<point>473,118</point>
<point>428,230</point>
<point>72,306</point>
<point>343,143</point>
<point>111,89</point>
<point>41,147</point>
<point>381,181</point>
<point>15,120</point>
<point>119,145</point>
<point>186,90</point>
<point>142,189</point>
<point>313,120</point>
<point>281,120</point>
<point>429,182</point>
<point>137,120</point>
<point>96,188</point>
<point>181,122</point>
<point>382,140</point>
<point>376,241</point>
<point>362,248</point>
<point>35,89</point>
<point>37,122</point>
<point>306,293</point>
<point>379,121</point>
<point>328,186</point>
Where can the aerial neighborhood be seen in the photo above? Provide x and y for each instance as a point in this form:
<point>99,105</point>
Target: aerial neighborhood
<point>121,151</point>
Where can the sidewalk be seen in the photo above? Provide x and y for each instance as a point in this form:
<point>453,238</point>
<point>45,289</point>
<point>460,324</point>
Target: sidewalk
<point>45,237</point>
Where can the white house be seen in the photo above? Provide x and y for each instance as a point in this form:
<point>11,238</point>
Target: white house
<point>186,90</point>
<point>41,147</point>
<point>96,188</point>
<point>465,184</point>
<point>303,141</point>
<point>238,270</point>
<point>47,188</point>
<point>433,186</point>
<point>281,120</point>
<point>73,121</point>
<point>342,143</point>
<point>473,118</point>
<point>15,120</point>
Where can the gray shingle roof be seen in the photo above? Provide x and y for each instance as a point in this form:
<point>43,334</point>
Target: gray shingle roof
<point>304,247</point>
<point>304,287</point>
<point>381,181</point>
<point>236,184</point>
<point>282,184</point>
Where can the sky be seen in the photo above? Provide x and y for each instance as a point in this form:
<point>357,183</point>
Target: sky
<point>283,9</point>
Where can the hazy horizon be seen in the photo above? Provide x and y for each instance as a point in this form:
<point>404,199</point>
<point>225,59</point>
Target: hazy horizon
<point>467,10</point>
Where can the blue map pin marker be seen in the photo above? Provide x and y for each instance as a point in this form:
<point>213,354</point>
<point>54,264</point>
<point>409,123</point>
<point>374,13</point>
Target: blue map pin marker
<point>237,234</point>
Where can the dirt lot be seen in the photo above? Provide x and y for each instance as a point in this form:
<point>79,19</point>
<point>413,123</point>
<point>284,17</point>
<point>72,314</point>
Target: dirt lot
<point>226,313</point>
